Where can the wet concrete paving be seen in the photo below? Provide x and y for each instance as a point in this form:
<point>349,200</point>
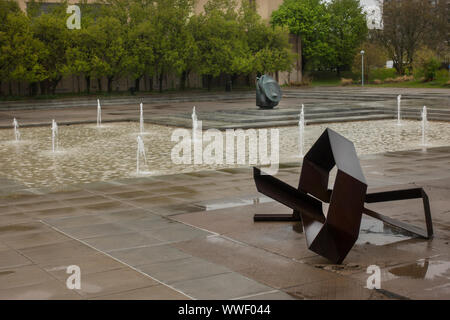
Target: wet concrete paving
<point>175,109</point>
<point>192,236</point>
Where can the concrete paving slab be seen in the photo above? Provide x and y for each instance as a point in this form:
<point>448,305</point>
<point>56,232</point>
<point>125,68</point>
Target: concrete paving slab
<point>11,258</point>
<point>55,252</point>
<point>268,268</point>
<point>338,288</point>
<point>28,240</point>
<point>158,292</point>
<point>20,276</point>
<point>148,255</point>
<point>96,230</point>
<point>222,286</point>
<point>122,241</point>
<point>275,295</point>
<point>183,269</point>
<point>113,281</point>
<point>49,290</point>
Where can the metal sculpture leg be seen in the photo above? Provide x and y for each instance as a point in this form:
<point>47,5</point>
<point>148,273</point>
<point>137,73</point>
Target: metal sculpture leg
<point>287,195</point>
<point>404,194</point>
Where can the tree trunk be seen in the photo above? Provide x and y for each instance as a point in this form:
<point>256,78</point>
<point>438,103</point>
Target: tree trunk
<point>1,93</point>
<point>228,83</point>
<point>187,78</point>
<point>161,76</point>
<point>99,83</point>
<point>399,67</point>
<point>33,89</point>
<point>183,80</point>
<point>209,80</point>
<point>234,77</point>
<point>54,84</point>
<point>299,52</point>
<point>110,82</point>
<point>87,79</point>
<point>42,87</point>
<point>10,88</point>
<point>150,83</point>
<point>45,86</point>
<point>137,84</point>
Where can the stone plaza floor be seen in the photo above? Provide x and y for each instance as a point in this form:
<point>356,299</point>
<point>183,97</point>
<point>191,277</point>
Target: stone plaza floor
<point>192,235</point>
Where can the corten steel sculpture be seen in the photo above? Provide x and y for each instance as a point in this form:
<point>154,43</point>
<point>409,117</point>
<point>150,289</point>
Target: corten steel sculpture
<point>268,92</point>
<point>332,236</point>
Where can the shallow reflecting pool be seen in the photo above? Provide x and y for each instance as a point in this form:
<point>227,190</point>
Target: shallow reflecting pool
<point>87,153</point>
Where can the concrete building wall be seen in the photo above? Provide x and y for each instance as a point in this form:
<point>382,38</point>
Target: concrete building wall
<point>264,7</point>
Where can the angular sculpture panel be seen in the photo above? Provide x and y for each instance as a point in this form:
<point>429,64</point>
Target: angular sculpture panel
<point>333,236</point>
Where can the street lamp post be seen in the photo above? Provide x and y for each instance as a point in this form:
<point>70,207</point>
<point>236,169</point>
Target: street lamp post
<point>362,68</point>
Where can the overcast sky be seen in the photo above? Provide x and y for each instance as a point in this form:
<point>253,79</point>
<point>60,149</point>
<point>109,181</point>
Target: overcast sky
<point>368,2</point>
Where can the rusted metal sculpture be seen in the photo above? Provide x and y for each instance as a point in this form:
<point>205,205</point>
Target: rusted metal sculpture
<point>332,236</point>
<point>268,92</point>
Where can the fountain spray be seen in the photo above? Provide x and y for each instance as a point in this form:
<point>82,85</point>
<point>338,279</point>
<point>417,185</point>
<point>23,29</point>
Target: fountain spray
<point>301,130</point>
<point>141,119</point>
<point>99,114</point>
<point>194,124</point>
<point>399,101</point>
<point>140,153</point>
<point>16,130</point>
<point>424,126</point>
<point>54,136</point>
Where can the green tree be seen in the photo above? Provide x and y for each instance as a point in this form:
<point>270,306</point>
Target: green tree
<point>188,50</point>
<point>221,41</point>
<point>348,30</point>
<point>110,30</point>
<point>140,52</point>
<point>408,25</point>
<point>83,46</point>
<point>19,59</point>
<point>426,64</point>
<point>309,20</point>
<point>6,7</point>
<point>270,50</point>
<point>169,22</point>
<point>51,30</point>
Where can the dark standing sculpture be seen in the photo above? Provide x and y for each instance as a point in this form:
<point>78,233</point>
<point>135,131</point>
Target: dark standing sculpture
<point>332,236</point>
<point>268,92</point>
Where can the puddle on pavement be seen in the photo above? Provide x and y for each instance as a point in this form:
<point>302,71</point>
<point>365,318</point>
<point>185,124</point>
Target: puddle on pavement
<point>232,202</point>
<point>423,269</point>
<point>378,233</point>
